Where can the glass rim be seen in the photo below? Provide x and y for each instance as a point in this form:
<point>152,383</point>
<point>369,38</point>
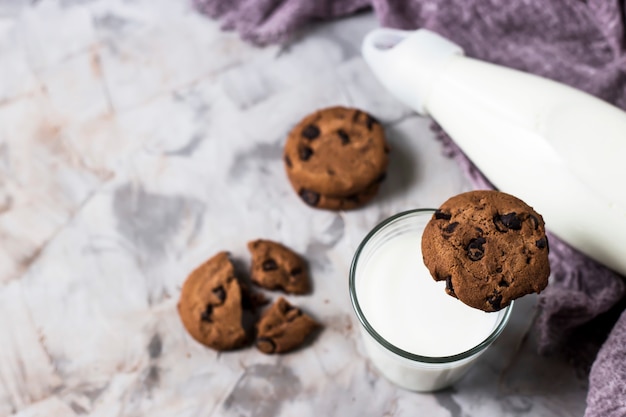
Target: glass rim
<point>380,339</point>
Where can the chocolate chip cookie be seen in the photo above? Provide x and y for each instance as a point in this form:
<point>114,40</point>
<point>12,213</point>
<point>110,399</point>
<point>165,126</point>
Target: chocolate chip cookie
<point>275,266</point>
<point>334,154</point>
<point>282,328</point>
<point>210,304</point>
<point>489,247</point>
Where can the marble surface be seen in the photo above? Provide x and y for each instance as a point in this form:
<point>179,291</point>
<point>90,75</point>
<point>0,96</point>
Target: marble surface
<point>137,140</point>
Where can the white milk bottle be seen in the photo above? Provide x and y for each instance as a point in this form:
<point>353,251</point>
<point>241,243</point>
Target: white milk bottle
<point>559,149</point>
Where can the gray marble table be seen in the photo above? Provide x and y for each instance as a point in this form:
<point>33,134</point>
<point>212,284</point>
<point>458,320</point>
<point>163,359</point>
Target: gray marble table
<point>137,140</point>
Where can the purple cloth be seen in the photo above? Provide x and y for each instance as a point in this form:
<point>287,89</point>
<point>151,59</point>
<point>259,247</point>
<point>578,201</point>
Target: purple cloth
<point>580,43</point>
<point>607,390</point>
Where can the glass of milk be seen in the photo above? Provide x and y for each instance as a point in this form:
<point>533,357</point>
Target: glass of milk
<point>418,336</point>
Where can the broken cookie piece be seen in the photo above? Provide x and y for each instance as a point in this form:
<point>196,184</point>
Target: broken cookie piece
<point>283,328</point>
<point>210,304</point>
<point>276,267</point>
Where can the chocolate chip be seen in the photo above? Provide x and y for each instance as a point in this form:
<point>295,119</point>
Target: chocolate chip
<point>534,221</point>
<point>495,301</point>
<point>371,122</point>
<point>500,227</point>
<point>309,197</point>
<point>511,221</point>
<point>269,265</point>
<point>451,227</point>
<point>265,345</point>
<point>542,243</point>
<point>288,161</point>
<point>345,138</point>
<point>503,283</point>
<point>475,250</point>
<point>220,293</point>
<point>304,152</point>
<point>508,221</point>
<point>449,287</point>
<point>206,314</point>
<point>310,132</point>
<point>498,269</point>
<point>381,177</point>
<point>440,215</point>
<point>297,270</point>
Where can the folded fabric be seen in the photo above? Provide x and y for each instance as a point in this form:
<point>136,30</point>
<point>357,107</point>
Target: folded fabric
<point>580,43</point>
<point>607,391</point>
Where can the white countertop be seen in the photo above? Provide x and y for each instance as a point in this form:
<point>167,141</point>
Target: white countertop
<point>137,140</point>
